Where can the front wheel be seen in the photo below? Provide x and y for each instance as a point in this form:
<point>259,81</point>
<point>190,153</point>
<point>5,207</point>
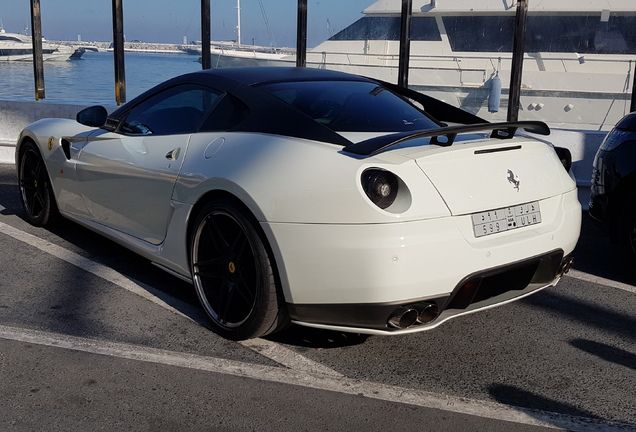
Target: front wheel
<point>233,273</point>
<point>36,191</point>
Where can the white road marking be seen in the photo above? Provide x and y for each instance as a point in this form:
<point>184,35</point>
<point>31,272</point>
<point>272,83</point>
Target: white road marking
<point>576,274</point>
<point>289,358</point>
<point>298,370</point>
<point>278,353</point>
<point>317,381</point>
<point>90,266</point>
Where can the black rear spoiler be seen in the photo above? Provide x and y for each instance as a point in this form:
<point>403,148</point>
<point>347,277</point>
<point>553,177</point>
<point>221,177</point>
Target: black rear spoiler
<point>504,130</point>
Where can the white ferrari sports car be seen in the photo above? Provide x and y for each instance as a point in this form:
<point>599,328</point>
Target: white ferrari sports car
<point>312,197</point>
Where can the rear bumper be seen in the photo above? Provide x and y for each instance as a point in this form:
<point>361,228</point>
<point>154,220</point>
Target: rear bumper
<point>476,292</point>
<point>337,276</point>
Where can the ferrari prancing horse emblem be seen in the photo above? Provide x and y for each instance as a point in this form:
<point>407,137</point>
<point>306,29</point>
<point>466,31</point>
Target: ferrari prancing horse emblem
<point>512,178</point>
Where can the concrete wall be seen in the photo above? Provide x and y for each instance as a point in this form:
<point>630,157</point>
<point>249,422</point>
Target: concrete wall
<point>15,115</point>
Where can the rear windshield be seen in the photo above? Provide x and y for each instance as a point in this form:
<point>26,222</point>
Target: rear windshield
<point>352,106</point>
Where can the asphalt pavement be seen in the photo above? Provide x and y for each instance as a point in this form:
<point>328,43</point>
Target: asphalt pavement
<point>93,337</point>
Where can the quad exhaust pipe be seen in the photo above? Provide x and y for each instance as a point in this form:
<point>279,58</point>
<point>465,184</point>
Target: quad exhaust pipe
<point>403,317</point>
<point>407,316</point>
<point>428,313</point>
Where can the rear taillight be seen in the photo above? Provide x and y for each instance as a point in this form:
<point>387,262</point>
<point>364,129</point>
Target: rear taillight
<point>380,186</point>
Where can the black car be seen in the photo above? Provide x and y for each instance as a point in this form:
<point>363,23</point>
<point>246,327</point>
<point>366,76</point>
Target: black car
<point>613,191</point>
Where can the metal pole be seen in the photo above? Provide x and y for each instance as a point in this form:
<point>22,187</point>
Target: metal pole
<point>301,34</point>
<point>118,45</point>
<point>206,36</point>
<point>405,43</point>
<point>632,106</point>
<point>38,60</point>
<point>238,22</point>
<point>514,92</point>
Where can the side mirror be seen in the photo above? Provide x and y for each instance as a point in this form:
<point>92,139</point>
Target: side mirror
<point>95,116</point>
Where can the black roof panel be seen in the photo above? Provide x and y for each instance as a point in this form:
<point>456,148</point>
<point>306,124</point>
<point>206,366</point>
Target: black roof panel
<point>260,75</point>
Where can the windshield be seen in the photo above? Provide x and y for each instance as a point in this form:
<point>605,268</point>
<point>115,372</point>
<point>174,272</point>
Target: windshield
<point>352,106</point>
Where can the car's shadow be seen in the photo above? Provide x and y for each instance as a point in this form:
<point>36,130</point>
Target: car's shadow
<point>594,255</point>
<point>309,337</point>
<point>175,292</point>
<point>597,256</point>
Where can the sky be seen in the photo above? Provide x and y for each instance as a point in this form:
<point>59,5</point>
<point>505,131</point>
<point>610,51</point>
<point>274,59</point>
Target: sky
<point>169,21</point>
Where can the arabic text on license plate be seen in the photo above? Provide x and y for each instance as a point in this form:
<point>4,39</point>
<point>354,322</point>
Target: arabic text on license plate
<point>507,218</point>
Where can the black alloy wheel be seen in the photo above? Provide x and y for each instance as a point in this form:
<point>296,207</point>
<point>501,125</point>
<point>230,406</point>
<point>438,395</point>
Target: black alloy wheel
<point>233,273</point>
<point>36,192</point>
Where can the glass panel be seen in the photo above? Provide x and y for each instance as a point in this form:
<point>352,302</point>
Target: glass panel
<point>157,39</point>
<point>253,33</point>
<point>341,37</point>
<point>352,106</point>
<point>422,28</point>
<point>228,112</point>
<point>177,110</point>
<point>582,34</point>
<point>371,28</point>
<point>469,63</point>
<point>577,72</point>
<point>480,33</point>
<point>154,38</point>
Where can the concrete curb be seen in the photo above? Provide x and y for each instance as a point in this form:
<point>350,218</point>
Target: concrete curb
<point>7,152</point>
<point>15,115</point>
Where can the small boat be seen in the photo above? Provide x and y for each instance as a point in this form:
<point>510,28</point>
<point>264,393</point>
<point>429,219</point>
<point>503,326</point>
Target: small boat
<point>237,54</point>
<point>18,47</point>
<point>231,54</point>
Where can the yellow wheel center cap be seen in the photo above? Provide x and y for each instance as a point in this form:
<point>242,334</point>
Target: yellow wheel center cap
<point>231,267</point>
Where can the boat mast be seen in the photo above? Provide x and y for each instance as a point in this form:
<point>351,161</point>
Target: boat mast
<point>238,22</point>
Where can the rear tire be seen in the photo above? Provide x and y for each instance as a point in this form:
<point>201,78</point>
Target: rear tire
<point>233,273</point>
<point>36,191</point>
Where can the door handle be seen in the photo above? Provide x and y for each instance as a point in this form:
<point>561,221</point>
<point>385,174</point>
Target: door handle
<point>173,154</point>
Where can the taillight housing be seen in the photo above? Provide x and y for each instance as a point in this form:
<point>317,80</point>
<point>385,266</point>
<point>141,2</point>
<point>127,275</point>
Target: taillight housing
<point>565,157</point>
<point>381,186</point>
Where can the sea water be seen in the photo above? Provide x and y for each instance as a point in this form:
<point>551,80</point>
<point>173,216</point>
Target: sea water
<point>90,80</point>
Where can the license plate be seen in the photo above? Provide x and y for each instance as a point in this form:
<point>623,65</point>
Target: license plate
<point>506,219</point>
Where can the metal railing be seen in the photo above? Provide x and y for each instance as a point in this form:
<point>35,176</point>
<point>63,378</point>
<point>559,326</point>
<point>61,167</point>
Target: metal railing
<point>301,49</point>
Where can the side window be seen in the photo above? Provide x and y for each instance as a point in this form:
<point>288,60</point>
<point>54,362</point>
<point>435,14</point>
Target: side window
<point>382,28</point>
<point>476,33</point>
<point>227,113</point>
<point>177,110</point>
<point>425,29</point>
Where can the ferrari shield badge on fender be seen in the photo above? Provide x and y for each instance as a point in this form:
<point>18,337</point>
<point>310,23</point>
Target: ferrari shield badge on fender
<point>51,141</point>
<point>512,178</point>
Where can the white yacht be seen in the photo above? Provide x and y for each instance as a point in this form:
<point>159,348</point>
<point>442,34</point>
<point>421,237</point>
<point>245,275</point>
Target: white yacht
<point>18,47</point>
<point>577,72</point>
